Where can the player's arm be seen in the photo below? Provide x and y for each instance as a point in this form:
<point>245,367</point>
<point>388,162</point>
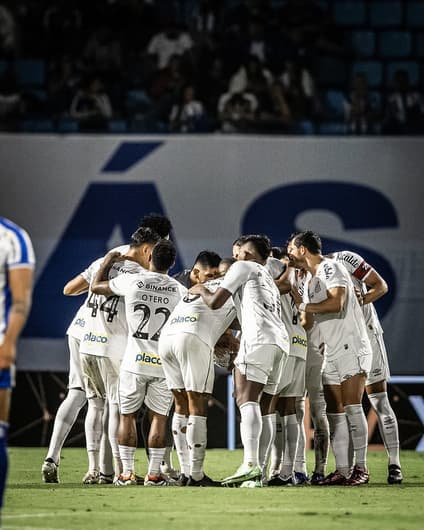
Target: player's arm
<point>78,285</point>
<point>213,300</point>
<point>377,287</point>
<point>100,284</point>
<point>334,302</point>
<point>20,284</point>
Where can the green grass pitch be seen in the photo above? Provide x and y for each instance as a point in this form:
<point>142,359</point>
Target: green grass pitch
<point>31,505</point>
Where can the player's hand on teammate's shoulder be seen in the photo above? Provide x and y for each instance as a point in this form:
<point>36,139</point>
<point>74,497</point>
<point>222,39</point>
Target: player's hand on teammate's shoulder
<point>196,289</point>
<point>112,257</point>
<point>297,298</point>
<point>7,354</point>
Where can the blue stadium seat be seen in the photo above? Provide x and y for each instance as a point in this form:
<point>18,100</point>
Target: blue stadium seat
<point>117,126</point>
<point>411,67</point>
<point>331,72</point>
<point>415,14</point>
<point>36,126</point>
<point>67,125</point>
<point>334,104</point>
<point>137,101</point>
<point>330,128</point>
<point>349,13</point>
<point>3,67</point>
<point>395,43</point>
<point>372,69</point>
<point>362,42</point>
<point>30,73</point>
<point>385,13</point>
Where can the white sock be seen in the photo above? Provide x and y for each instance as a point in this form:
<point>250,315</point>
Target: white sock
<point>196,441</point>
<point>339,438</point>
<point>65,418</point>
<point>321,432</point>
<point>167,459</point>
<point>388,425</point>
<point>300,459</point>
<point>113,427</point>
<point>127,454</point>
<point>291,434</point>
<point>277,448</point>
<point>359,433</point>
<point>155,458</point>
<point>179,427</point>
<point>93,431</point>
<point>266,441</point>
<point>250,430</point>
<point>105,453</point>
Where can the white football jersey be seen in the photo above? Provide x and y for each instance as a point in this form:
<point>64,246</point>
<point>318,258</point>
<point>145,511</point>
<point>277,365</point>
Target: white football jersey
<point>291,317</point>
<point>359,270</point>
<point>150,298</point>
<point>106,326</point>
<point>77,326</point>
<point>16,252</point>
<point>344,331</point>
<point>258,304</point>
<point>192,315</point>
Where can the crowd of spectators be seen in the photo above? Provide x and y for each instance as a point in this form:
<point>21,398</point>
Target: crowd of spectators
<point>247,66</point>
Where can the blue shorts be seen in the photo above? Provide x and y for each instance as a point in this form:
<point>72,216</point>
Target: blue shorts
<point>7,378</point>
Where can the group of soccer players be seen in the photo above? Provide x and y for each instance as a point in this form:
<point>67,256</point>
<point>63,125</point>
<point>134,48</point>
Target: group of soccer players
<point>294,323</point>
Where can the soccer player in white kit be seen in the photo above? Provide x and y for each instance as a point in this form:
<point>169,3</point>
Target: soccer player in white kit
<point>371,287</point>
<point>150,296</point>
<point>333,302</point>
<point>186,349</point>
<point>293,383</point>
<point>263,349</point>
<point>17,263</point>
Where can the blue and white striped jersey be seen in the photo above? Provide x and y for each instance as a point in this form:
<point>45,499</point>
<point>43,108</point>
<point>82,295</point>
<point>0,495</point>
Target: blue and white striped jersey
<point>16,252</point>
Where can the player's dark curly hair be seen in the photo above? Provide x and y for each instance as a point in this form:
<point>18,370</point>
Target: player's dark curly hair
<point>163,255</point>
<point>207,258</point>
<point>159,223</point>
<point>261,242</point>
<point>144,235</point>
<point>308,239</point>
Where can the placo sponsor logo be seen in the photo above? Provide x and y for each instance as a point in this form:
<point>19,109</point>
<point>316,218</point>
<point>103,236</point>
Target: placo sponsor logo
<point>297,339</point>
<point>91,337</point>
<point>185,319</point>
<point>147,358</point>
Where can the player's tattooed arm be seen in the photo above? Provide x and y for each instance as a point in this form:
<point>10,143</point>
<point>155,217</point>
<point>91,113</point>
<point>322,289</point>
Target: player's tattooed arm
<point>213,300</point>
<point>377,287</point>
<point>334,302</point>
<point>100,284</point>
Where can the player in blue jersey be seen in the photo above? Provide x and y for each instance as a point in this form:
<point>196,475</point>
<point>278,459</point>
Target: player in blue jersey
<point>16,274</point>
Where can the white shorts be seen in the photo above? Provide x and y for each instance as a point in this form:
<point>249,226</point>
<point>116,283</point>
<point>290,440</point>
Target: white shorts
<point>340,368</point>
<point>293,379</point>
<point>76,379</point>
<point>187,362</point>
<point>136,389</point>
<point>263,365</point>
<point>101,376</point>
<point>380,365</point>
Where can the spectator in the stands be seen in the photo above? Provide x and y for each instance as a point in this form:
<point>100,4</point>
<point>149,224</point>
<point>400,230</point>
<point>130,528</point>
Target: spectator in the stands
<point>8,32</point>
<point>91,106</point>
<point>212,82</point>
<point>254,78</point>
<point>103,53</point>
<point>171,41</point>
<point>237,112</point>
<point>188,115</point>
<point>299,91</point>
<point>404,113</point>
<point>63,79</point>
<point>361,109</point>
<point>63,28</point>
